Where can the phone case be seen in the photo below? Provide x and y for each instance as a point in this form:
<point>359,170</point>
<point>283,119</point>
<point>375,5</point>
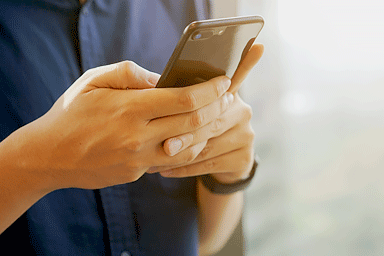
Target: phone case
<point>196,58</point>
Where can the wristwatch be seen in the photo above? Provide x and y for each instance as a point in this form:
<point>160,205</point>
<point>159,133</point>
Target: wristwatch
<point>217,187</point>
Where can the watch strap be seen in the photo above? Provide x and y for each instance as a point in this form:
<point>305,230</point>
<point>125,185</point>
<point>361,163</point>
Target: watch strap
<point>217,187</point>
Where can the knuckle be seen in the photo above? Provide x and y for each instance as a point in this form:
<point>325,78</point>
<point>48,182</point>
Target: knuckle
<point>205,152</point>
<point>210,164</point>
<point>223,104</point>
<point>189,100</point>
<point>89,72</point>
<point>134,145</point>
<point>221,85</point>
<point>248,112</point>
<point>218,89</point>
<point>128,64</point>
<point>197,119</point>
<point>251,134</point>
<point>129,68</point>
<point>216,126</point>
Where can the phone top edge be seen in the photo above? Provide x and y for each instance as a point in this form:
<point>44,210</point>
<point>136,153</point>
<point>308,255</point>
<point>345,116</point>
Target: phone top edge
<point>223,22</point>
<point>192,27</point>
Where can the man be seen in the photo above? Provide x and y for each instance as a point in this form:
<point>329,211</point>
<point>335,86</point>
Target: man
<point>77,172</point>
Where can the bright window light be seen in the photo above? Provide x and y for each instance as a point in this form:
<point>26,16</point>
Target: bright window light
<point>338,34</point>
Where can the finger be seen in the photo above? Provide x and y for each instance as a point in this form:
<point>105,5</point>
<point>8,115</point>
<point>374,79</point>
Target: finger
<point>250,60</point>
<point>185,157</point>
<point>170,101</point>
<point>173,146</point>
<point>155,102</point>
<point>232,140</point>
<point>230,118</point>
<point>124,75</point>
<point>179,124</point>
<point>233,161</point>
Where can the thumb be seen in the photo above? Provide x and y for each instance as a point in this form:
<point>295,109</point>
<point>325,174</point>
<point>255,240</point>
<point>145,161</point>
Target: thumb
<point>125,75</point>
<point>250,60</point>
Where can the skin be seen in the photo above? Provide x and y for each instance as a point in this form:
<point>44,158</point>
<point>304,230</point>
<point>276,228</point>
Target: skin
<point>220,214</point>
<point>228,156</point>
<point>111,128</point>
<point>98,105</point>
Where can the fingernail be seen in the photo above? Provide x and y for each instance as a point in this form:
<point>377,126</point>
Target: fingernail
<point>175,145</point>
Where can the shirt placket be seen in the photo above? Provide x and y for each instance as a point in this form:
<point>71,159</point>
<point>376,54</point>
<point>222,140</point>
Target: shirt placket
<point>115,200</point>
<point>120,223</point>
<point>90,39</point>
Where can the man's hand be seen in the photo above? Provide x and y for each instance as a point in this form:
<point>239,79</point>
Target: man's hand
<point>109,126</point>
<point>228,154</point>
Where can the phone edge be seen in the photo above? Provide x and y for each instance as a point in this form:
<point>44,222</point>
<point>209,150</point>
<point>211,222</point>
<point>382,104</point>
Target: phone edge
<point>193,26</point>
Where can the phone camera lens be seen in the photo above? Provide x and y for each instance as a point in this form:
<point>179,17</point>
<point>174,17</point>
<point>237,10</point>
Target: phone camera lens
<point>197,36</point>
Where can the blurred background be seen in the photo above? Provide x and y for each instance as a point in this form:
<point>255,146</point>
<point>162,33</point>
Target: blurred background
<point>318,102</point>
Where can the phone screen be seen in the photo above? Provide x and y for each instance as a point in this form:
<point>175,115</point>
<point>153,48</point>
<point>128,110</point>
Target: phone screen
<point>208,52</point>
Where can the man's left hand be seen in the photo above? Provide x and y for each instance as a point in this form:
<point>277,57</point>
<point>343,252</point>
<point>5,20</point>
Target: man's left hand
<point>228,154</point>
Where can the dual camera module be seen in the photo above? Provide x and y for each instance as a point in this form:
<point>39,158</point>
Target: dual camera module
<point>207,33</point>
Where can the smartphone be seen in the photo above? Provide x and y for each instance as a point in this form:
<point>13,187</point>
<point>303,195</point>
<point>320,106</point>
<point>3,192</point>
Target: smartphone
<point>210,48</point>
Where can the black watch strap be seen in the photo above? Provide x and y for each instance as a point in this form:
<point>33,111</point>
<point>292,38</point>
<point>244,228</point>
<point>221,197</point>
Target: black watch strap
<point>216,187</point>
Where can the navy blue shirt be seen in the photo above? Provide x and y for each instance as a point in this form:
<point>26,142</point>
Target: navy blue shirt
<point>45,45</point>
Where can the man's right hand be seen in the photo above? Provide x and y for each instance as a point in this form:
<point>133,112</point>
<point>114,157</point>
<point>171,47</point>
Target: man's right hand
<point>109,126</point>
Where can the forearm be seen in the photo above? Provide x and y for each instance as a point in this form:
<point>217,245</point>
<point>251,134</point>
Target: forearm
<point>20,184</point>
<point>218,217</point>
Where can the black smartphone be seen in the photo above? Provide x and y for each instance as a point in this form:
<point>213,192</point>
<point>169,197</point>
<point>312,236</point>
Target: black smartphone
<point>210,48</point>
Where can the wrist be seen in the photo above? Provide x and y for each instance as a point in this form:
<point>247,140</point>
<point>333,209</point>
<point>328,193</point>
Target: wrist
<point>21,183</point>
<point>24,160</point>
<point>217,187</point>
<point>233,177</point>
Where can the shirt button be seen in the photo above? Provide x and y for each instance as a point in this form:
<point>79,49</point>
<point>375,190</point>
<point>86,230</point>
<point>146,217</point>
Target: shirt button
<point>125,253</point>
